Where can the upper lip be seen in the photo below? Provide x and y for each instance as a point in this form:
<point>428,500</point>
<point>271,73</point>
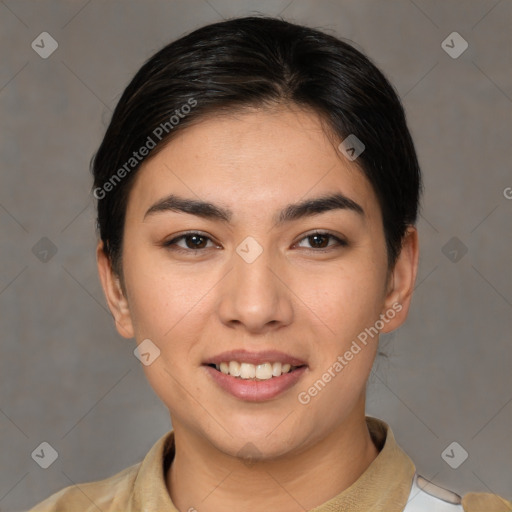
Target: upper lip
<point>265,356</point>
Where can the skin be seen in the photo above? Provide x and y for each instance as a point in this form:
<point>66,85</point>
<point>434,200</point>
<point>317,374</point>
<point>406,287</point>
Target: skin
<point>293,297</point>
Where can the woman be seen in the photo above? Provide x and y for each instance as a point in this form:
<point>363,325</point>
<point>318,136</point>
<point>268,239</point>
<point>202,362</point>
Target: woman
<point>257,194</point>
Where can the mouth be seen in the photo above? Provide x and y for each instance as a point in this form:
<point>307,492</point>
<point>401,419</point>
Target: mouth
<point>252,372</point>
<point>255,377</point>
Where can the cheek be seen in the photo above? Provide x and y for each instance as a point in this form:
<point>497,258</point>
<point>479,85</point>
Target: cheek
<point>168,305</point>
<point>160,298</point>
<point>348,301</point>
<point>349,304</point>
<point>345,298</point>
<point>166,308</point>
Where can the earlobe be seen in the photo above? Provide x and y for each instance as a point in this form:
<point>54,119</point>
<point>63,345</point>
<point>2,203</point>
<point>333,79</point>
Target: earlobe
<point>116,300</point>
<point>401,282</point>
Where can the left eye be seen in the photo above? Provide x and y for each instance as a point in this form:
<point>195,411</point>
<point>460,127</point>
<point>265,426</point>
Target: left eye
<point>320,237</point>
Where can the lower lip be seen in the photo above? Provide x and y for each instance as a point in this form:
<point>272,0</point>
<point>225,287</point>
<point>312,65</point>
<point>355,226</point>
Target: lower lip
<point>256,390</point>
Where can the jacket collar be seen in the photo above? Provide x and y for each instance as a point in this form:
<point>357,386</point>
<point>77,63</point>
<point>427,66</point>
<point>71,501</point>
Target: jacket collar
<point>383,487</point>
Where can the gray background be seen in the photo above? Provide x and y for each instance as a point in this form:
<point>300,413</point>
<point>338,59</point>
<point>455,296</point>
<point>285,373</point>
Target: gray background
<point>69,379</point>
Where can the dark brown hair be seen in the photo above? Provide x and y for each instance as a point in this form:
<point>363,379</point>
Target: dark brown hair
<point>254,62</point>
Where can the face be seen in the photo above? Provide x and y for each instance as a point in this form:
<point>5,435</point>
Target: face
<point>256,281</point>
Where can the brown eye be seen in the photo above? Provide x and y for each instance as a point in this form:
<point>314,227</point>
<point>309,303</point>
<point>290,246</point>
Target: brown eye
<point>196,241</point>
<point>192,241</point>
<point>319,240</point>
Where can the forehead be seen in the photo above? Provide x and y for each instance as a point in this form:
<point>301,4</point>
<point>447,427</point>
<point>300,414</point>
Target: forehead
<point>254,161</point>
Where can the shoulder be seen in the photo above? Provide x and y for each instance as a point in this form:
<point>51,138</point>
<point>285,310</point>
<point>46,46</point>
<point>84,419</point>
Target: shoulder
<point>131,489</point>
<point>102,495</point>
<point>428,497</point>
<point>485,502</point>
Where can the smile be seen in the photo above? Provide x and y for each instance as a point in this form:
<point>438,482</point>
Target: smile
<point>254,389</point>
<point>264,371</point>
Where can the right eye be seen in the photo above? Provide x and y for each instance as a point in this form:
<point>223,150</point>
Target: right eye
<point>193,240</point>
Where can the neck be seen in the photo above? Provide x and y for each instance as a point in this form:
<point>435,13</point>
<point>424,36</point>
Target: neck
<point>205,478</point>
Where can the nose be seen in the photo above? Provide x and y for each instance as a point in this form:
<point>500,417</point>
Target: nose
<point>254,294</point>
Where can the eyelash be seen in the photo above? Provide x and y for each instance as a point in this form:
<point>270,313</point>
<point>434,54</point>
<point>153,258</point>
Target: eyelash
<point>170,243</point>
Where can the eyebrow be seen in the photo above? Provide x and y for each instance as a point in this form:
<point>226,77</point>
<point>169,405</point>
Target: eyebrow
<point>291,212</point>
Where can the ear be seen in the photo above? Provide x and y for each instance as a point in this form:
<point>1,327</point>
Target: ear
<point>114,294</point>
<point>401,282</point>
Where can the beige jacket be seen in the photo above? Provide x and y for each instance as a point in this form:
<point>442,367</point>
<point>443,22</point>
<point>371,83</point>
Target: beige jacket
<point>389,484</point>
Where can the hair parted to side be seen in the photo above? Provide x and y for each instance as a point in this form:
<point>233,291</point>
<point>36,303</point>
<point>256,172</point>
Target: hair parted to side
<point>258,62</point>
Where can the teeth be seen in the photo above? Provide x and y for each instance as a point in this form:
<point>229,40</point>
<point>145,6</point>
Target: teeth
<point>264,371</point>
<point>276,369</point>
<point>234,368</point>
<point>246,371</point>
